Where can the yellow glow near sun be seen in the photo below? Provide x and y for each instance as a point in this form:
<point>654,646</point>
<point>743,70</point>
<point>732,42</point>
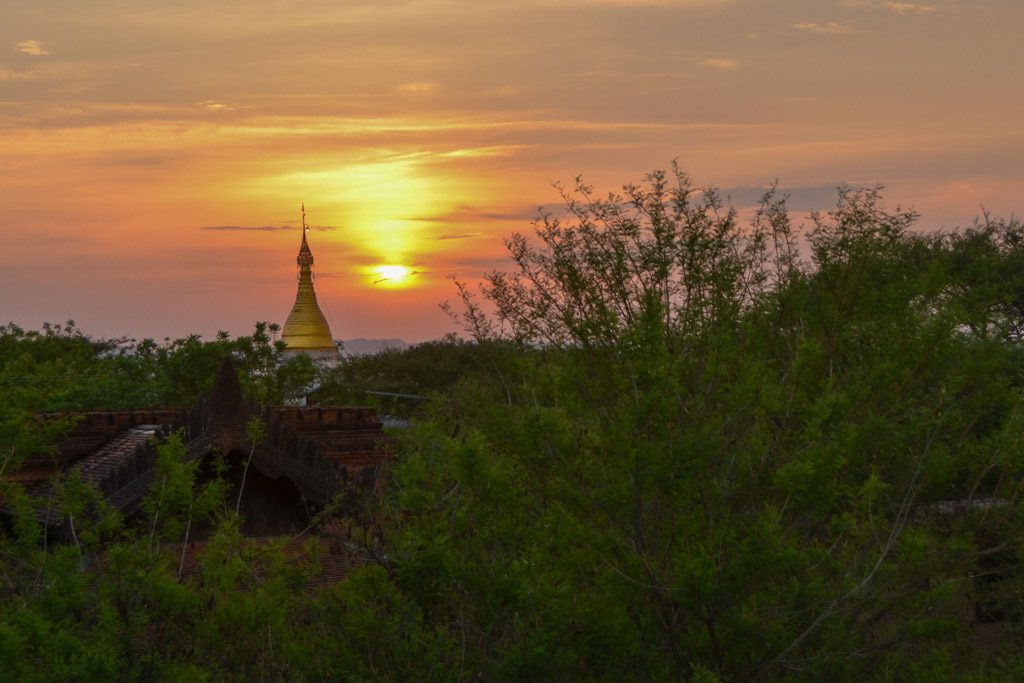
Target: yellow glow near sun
<point>380,206</point>
<point>387,210</point>
<point>383,210</point>
<point>392,275</point>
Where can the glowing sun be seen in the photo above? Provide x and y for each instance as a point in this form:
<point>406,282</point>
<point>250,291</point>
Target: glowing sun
<point>393,275</point>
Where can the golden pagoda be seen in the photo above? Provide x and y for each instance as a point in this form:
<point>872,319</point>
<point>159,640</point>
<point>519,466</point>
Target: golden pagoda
<point>306,330</point>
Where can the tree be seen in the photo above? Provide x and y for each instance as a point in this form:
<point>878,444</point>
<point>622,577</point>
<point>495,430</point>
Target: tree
<point>716,457</point>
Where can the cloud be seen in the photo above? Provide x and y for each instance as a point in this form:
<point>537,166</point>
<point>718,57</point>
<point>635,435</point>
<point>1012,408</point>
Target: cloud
<point>462,236</point>
<point>832,27</point>
<point>8,75</point>
<point>141,160</point>
<point>466,213</point>
<point>261,228</point>
<point>213,105</point>
<point>417,87</point>
<point>478,263</point>
<point>800,198</point>
<point>908,7</point>
<point>258,228</point>
<point>720,63</point>
<point>31,47</point>
<point>333,274</point>
<point>658,3</point>
<point>636,4</point>
<point>33,238</point>
<point>501,91</point>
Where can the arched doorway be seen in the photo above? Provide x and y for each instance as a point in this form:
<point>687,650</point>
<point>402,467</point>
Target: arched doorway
<point>269,506</point>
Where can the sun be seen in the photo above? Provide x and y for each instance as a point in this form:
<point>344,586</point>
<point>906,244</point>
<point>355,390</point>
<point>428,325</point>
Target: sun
<point>392,275</point>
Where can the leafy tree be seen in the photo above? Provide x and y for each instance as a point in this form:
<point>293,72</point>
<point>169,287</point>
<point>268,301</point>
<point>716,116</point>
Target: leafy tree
<point>429,370</point>
<point>715,458</point>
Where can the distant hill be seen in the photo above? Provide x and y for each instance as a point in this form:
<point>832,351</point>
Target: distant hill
<point>368,347</point>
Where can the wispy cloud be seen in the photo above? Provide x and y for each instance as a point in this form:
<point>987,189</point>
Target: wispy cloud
<point>908,7</point>
<point>682,4</point>
<point>799,198</point>
<point>832,27</point>
<point>462,236</point>
<point>480,263</point>
<point>720,63</point>
<point>465,213</point>
<point>256,228</point>
<point>8,75</point>
<point>261,228</point>
<point>213,105</point>
<point>418,87</point>
<point>32,47</point>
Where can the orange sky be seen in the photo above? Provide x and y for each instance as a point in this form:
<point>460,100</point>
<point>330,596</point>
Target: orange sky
<point>153,156</point>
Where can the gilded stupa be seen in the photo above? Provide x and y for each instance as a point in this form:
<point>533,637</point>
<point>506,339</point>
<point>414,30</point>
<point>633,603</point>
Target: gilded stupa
<point>306,330</point>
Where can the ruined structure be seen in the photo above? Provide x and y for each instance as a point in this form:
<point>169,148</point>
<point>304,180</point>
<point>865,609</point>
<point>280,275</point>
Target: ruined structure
<point>306,330</point>
<point>310,456</point>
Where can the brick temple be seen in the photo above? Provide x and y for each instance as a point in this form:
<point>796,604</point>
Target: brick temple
<point>309,456</point>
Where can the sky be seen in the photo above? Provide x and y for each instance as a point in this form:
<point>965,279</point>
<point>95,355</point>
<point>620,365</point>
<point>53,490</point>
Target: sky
<point>154,155</point>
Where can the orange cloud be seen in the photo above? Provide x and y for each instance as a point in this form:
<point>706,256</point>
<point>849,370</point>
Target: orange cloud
<point>31,47</point>
<point>417,87</point>
<point>10,76</point>
<point>908,7</point>
<point>832,27</point>
<point>720,63</point>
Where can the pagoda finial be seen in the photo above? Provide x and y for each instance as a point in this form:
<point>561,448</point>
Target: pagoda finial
<point>305,259</point>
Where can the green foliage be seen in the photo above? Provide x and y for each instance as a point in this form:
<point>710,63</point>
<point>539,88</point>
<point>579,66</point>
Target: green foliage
<point>61,368</point>
<point>430,370</point>
<point>709,458</point>
<point>255,431</point>
<point>178,499</point>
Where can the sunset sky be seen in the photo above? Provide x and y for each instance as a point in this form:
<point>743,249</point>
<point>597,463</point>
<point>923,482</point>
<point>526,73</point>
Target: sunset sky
<point>154,155</point>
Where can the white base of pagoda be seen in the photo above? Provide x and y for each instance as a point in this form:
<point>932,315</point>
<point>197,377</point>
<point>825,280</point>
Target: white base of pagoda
<point>322,357</point>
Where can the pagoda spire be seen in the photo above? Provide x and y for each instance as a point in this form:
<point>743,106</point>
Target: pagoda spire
<point>306,329</point>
